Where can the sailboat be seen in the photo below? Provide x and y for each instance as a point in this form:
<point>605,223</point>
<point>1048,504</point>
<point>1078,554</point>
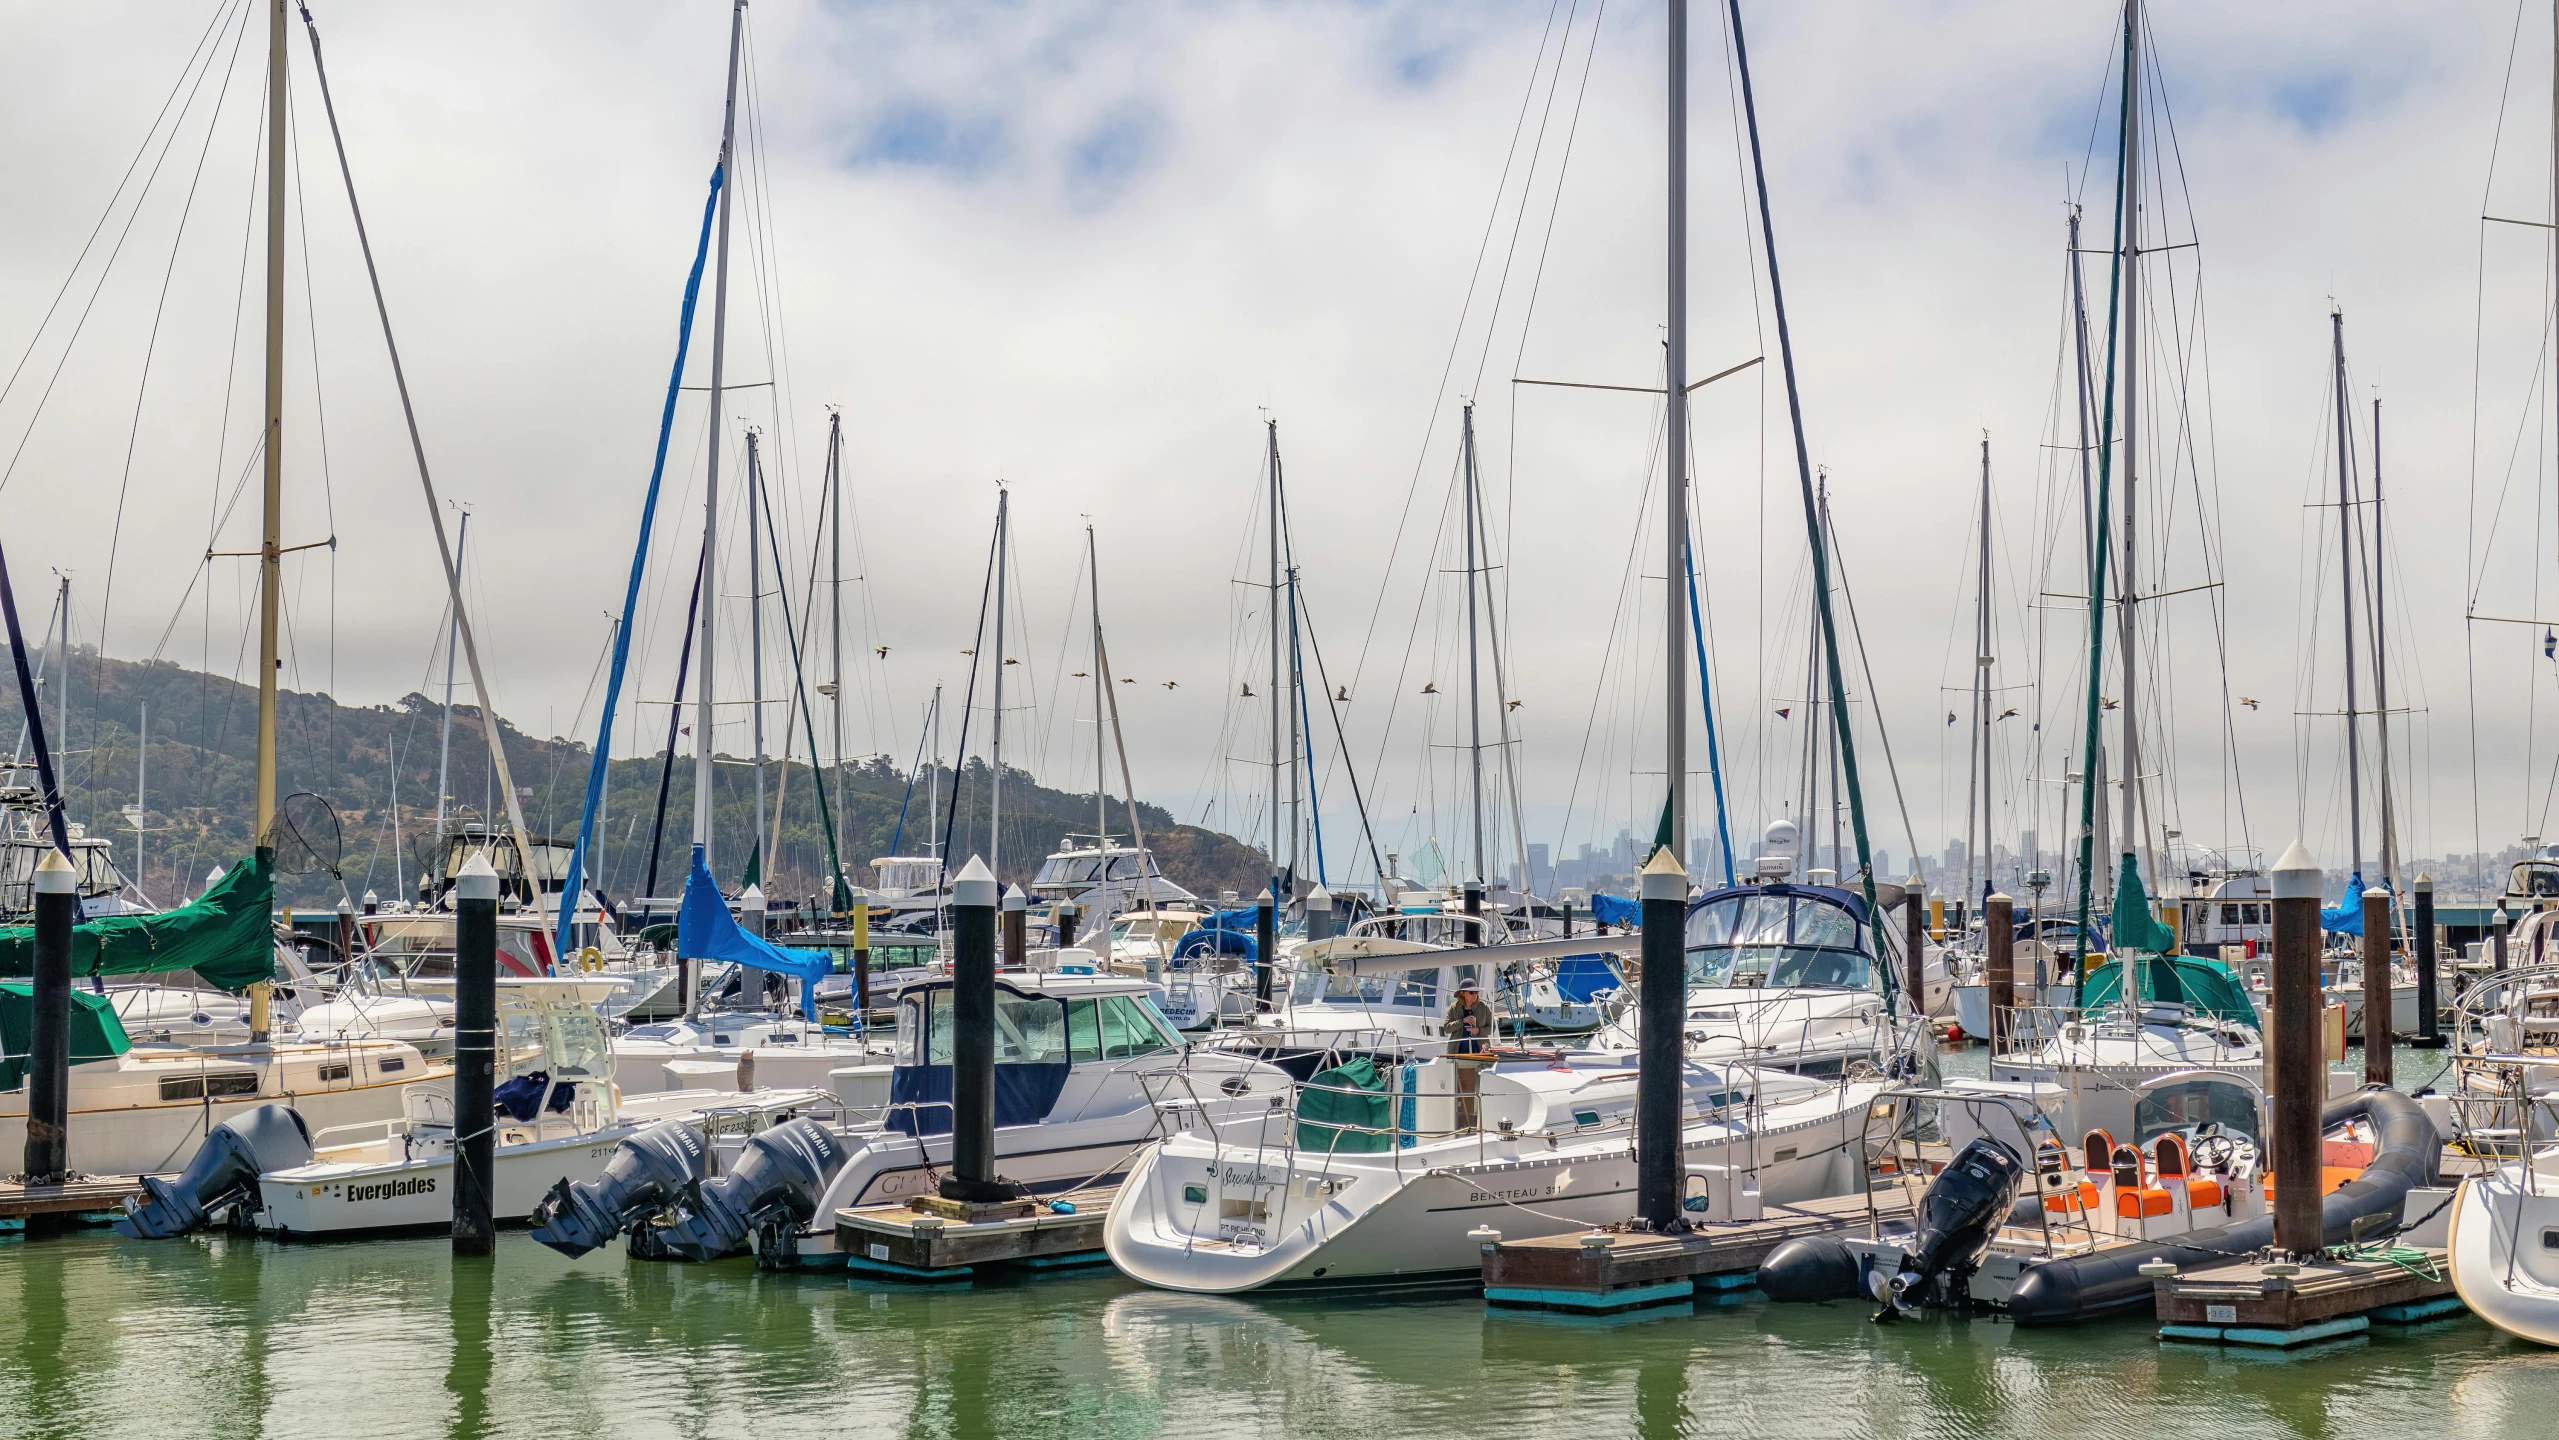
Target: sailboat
<point>1391,1155</point>
<point>2146,1009</point>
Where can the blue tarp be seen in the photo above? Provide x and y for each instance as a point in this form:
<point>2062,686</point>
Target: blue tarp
<point>1205,941</point>
<point>2347,916</point>
<point>1581,979</point>
<point>920,1096</point>
<point>1609,910</point>
<point>521,1097</point>
<point>705,930</point>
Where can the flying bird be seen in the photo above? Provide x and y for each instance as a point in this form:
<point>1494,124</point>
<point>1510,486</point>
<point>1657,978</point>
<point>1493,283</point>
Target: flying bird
<point>1009,660</point>
<point>1515,704</point>
<point>968,652</point>
<point>1430,687</point>
<point>2248,700</point>
<point>1169,684</point>
<point>2008,714</point>
<point>883,651</point>
<point>1080,674</point>
<point>1342,692</point>
<point>2102,700</point>
<point>1128,679</point>
<point>1248,689</point>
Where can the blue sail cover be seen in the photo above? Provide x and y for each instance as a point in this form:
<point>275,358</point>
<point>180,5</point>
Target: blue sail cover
<point>705,930</point>
<point>2347,916</point>
<point>1609,910</point>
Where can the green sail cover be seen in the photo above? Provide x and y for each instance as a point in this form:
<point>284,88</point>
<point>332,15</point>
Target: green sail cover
<point>2200,985</point>
<point>2135,928</point>
<point>96,1034</point>
<point>226,935</point>
<point>1346,1110</point>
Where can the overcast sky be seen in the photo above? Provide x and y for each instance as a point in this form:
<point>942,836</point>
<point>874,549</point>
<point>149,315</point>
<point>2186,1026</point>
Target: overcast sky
<point>1087,249</point>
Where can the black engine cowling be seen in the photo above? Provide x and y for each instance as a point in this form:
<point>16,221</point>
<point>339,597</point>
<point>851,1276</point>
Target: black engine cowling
<point>1961,1213</point>
<point>225,1171</point>
<point>781,1174</point>
<point>647,1173</point>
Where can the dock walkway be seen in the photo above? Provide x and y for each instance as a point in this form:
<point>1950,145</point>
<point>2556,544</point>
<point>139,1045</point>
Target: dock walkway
<point>1622,1271</point>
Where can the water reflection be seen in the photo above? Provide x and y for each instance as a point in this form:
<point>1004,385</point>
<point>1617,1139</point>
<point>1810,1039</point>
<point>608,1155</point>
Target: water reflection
<point>225,1336</point>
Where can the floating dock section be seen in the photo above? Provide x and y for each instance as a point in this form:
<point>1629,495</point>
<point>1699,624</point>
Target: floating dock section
<point>2280,1306</point>
<point>930,1240</point>
<point>1600,1272</point>
<point>89,1200</point>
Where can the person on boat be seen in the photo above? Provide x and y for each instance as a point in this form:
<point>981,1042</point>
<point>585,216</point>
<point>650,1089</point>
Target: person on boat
<point>1469,1028</point>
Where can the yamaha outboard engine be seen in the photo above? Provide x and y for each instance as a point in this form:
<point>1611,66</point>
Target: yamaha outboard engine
<point>224,1172</point>
<point>647,1173</point>
<point>779,1176</point>
<point>1962,1211</point>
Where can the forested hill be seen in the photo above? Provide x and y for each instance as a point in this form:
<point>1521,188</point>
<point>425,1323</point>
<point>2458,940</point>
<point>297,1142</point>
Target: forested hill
<point>203,770</point>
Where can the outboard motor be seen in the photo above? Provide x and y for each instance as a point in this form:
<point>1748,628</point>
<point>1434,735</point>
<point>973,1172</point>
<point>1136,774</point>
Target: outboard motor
<point>780,1175</point>
<point>1957,1218</point>
<point>647,1173</point>
<point>224,1172</point>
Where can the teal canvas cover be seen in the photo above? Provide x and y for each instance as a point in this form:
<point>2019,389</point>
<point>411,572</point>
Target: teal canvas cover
<point>96,1033</point>
<point>225,935</point>
<point>1349,1094</point>
<point>2200,985</point>
<point>2135,928</point>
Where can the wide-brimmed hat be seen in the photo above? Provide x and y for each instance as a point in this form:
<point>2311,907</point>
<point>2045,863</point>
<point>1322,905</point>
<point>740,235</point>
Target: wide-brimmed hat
<point>1468,984</point>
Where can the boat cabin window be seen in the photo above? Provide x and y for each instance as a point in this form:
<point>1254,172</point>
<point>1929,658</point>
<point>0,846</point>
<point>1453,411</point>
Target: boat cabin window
<point>1776,940</point>
<point>214,1085</point>
<point>2536,878</point>
<point>1029,1030</point>
<point>1416,987</point>
<point>924,1028</point>
<point>2190,1103</point>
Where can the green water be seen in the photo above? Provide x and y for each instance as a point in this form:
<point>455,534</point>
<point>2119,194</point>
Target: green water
<point>232,1337</point>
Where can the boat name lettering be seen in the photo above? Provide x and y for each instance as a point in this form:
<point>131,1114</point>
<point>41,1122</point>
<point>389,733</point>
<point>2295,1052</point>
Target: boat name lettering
<point>391,1189</point>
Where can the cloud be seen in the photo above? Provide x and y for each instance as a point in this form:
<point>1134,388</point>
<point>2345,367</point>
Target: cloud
<point>1084,246</point>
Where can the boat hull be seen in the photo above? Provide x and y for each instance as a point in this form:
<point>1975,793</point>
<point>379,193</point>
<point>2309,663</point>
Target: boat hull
<point>2501,1266</point>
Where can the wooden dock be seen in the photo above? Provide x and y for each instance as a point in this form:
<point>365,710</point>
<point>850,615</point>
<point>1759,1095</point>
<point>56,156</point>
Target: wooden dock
<point>89,1200</point>
<point>932,1241</point>
<point>2242,1304</point>
<point>1572,1272</point>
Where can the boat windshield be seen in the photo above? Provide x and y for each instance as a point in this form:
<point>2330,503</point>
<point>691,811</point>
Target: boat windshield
<point>1775,939</point>
<point>2538,879</point>
<point>2187,1104</point>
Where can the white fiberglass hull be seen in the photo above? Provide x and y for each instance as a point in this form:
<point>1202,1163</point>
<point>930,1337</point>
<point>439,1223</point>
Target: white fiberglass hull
<point>2501,1266</point>
<point>120,1126</point>
<point>1404,1217</point>
<point>1972,1008</point>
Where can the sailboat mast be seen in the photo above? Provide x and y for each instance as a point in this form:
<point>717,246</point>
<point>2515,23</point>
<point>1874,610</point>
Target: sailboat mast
<point>452,638</point>
<point>755,634</point>
<point>2346,594</point>
<point>703,712</point>
<point>2079,346</point>
<point>2130,577</point>
<point>2381,667</point>
<point>1675,444</point>
<point>1474,657</point>
<point>1981,693</point>
<point>1276,697</point>
<point>835,610</point>
<point>995,750</point>
<point>1101,921</point>
<point>933,792</point>
<point>271,503</point>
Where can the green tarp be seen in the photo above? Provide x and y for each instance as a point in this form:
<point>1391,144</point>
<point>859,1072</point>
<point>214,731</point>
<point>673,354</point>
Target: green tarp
<point>1349,1095</point>
<point>2200,985</point>
<point>96,1034</point>
<point>226,936</point>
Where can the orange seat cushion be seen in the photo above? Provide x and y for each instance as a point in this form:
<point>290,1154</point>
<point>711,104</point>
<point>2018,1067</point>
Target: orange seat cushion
<point>2331,1179</point>
<point>2072,1202</point>
<point>2143,1203</point>
<point>2201,1194</point>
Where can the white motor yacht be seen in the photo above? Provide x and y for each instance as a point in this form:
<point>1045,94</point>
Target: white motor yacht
<point>1088,1073</point>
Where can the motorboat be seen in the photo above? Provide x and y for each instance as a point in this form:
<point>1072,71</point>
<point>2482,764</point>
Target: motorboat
<point>1383,1166</point>
<point>1103,876</point>
<point>1088,1072</point>
<point>1787,975</point>
<point>143,1109</point>
<point>786,1050</point>
<point>2055,1227</point>
<point>559,1116</point>
<point>2181,1014</point>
